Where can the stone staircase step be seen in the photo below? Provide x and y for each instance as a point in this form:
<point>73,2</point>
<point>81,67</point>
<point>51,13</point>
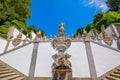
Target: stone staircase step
<point>5,75</point>
<point>118,69</point>
<point>112,78</point>
<point>4,69</point>
<point>105,79</point>
<point>2,66</point>
<point>10,77</point>
<point>117,72</point>
<point>115,75</point>
<point>8,71</point>
<point>19,78</point>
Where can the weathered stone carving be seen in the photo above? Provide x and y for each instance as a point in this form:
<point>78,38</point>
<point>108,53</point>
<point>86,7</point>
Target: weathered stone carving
<point>61,67</point>
<point>17,40</point>
<point>38,35</point>
<point>84,33</point>
<point>106,38</point>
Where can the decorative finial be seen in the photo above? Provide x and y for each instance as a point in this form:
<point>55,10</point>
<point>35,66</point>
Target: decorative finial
<point>103,28</point>
<point>38,35</point>
<point>84,33</point>
<point>106,38</point>
<point>61,28</point>
<point>61,42</point>
<point>17,40</point>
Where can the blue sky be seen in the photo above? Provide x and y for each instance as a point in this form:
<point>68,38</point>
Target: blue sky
<point>48,14</point>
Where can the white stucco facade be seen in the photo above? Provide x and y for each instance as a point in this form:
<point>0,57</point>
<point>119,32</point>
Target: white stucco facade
<point>105,59</point>
<point>3,43</point>
<point>19,59</point>
<point>78,59</point>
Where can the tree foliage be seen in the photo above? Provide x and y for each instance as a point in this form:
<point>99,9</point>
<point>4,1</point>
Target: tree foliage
<point>114,5</point>
<point>101,19</point>
<point>107,19</point>
<point>97,17</point>
<point>14,9</point>
<point>17,24</point>
<point>14,13</point>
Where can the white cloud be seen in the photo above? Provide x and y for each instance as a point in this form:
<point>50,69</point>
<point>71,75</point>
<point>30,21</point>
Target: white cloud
<point>99,4</point>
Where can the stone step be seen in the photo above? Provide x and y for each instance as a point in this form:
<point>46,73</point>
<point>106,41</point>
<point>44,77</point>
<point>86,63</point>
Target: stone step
<point>118,69</point>
<point>5,75</point>
<point>2,66</point>
<point>4,69</point>
<point>105,79</point>
<point>11,77</point>
<point>19,78</point>
<point>9,73</point>
<point>4,72</point>
<point>115,75</point>
<point>117,72</point>
<point>111,78</point>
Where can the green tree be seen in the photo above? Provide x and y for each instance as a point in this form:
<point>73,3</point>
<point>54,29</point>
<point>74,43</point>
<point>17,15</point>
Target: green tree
<point>14,10</point>
<point>80,30</point>
<point>97,17</point>
<point>107,19</point>
<point>113,4</point>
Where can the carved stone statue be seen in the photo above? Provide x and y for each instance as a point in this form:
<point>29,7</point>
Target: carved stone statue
<point>61,67</point>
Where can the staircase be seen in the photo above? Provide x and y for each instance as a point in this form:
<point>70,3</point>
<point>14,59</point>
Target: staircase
<point>112,75</point>
<point>9,73</point>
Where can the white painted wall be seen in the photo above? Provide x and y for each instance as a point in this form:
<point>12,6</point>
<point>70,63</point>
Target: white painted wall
<point>44,60</point>
<point>19,59</point>
<point>3,43</point>
<point>78,59</point>
<point>105,59</point>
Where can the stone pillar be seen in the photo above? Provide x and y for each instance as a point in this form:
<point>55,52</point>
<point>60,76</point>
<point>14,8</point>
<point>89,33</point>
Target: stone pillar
<point>91,64</point>
<point>33,61</point>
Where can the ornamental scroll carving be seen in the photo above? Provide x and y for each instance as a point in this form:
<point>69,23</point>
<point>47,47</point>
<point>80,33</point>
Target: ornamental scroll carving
<point>61,67</point>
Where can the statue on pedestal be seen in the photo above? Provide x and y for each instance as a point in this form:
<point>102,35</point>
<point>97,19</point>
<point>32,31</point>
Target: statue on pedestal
<point>61,67</point>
